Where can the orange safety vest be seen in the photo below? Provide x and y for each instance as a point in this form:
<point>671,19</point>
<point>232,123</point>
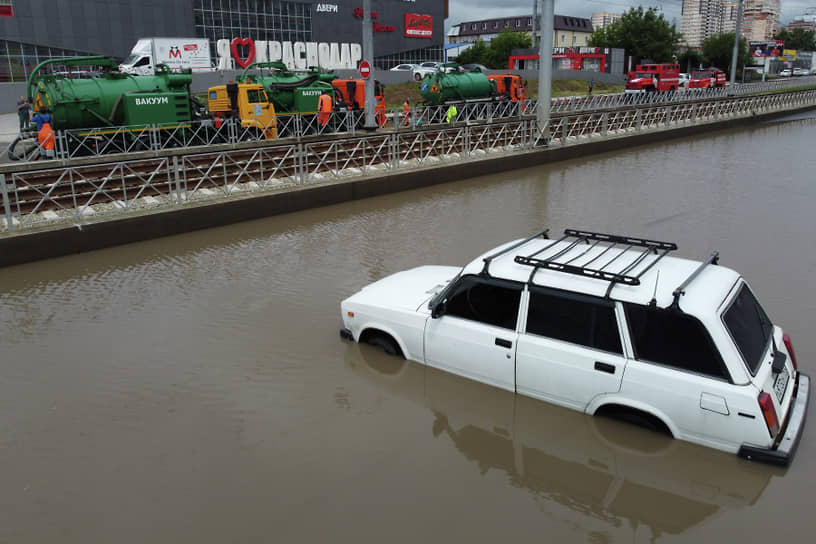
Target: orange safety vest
<point>46,136</point>
<point>324,104</point>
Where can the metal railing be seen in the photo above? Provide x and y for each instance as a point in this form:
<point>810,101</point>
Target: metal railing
<point>73,192</point>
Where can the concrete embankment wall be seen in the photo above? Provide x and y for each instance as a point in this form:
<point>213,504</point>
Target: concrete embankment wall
<point>17,248</point>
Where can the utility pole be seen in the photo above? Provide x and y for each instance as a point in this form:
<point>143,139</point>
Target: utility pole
<point>734,54</point>
<point>545,69</point>
<point>368,54</point>
<point>535,22</point>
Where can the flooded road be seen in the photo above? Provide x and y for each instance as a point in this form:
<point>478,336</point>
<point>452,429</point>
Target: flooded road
<point>195,388</point>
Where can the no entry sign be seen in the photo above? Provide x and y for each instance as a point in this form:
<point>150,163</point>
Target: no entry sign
<point>365,69</point>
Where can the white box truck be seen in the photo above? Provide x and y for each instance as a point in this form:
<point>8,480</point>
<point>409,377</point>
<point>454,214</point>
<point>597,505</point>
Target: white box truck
<point>177,53</point>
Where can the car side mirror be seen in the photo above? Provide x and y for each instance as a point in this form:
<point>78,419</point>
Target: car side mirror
<point>439,310</point>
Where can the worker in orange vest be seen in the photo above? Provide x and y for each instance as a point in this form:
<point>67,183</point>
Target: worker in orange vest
<point>324,108</point>
<point>406,111</point>
<point>45,133</point>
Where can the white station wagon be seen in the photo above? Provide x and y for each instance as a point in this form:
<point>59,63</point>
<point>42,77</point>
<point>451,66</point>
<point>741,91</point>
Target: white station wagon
<point>603,324</point>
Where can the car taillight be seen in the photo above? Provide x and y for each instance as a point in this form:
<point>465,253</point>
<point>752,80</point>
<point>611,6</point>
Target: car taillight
<point>789,345</point>
<point>769,412</point>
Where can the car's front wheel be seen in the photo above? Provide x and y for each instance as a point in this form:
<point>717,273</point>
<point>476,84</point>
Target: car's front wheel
<point>382,341</point>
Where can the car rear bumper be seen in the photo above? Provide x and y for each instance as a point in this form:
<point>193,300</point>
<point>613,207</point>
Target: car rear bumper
<point>783,452</point>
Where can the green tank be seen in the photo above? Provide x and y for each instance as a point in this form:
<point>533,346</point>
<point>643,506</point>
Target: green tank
<point>110,98</point>
<point>290,92</point>
<point>450,84</point>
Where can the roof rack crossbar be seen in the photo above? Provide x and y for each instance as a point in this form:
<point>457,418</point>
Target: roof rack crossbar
<point>616,257</point>
<point>654,262</point>
<point>639,259</point>
<point>578,270</point>
<point>487,260</point>
<point>714,258</point>
<point>587,250</point>
<point>548,246</point>
<point>643,242</point>
<point>599,255</point>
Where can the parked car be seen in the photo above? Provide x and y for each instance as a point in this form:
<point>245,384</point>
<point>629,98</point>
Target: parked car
<point>475,68</point>
<point>425,69</point>
<point>800,72</point>
<point>606,325</point>
<point>404,68</point>
<point>785,73</point>
<point>684,79</point>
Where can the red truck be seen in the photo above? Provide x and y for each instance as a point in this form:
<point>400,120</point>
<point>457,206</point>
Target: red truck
<point>709,78</point>
<point>648,78</point>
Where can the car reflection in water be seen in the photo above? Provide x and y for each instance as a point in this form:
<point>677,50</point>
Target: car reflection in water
<point>600,468</point>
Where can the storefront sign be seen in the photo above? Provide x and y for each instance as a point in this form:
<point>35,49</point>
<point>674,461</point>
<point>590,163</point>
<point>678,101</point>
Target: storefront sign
<point>326,8</point>
<point>6,10</point>
<point>577,50</point>
<point>295,55</point>
<point>377,27</point>
<point>418,26</point>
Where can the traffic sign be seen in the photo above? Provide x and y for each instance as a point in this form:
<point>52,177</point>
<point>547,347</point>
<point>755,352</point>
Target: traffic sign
<point>365,69</point>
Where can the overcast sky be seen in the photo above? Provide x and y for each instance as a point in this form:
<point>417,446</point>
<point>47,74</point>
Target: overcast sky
<point>474,10</point>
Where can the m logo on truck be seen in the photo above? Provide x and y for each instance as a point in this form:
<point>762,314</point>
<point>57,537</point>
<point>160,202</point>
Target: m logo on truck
<point>152,100</point>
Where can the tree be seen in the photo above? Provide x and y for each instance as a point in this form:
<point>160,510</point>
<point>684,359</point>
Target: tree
<point>641,33</point>
<point>498,52</point>
<point>502,45</point>
<point>798,38</point>
<point>690,59</point>
<point>477,53</point>
<point>717,51</point>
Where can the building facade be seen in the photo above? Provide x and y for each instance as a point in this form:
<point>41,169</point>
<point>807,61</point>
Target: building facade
<point>34,30</point>
<point>568,31</point>
<point>604,19</point>
<point>761,19</point>
<point>703,18</point>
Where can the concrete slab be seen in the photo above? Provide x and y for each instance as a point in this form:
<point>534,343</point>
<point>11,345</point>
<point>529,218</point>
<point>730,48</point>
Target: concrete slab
<point>9,128</point>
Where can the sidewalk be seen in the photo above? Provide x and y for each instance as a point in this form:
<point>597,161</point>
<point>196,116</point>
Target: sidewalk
<point>9,128</point>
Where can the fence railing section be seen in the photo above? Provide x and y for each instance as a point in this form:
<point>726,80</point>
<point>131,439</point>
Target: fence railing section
<point>32,197</point>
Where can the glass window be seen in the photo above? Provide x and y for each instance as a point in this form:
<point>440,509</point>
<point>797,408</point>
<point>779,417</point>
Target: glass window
<point>750,327</point>
<point>673,338</point>
<point>579,319</point>
<point>493,302</point>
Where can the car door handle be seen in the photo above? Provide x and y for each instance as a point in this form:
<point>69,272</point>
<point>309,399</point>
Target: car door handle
<point>504,343</point>
<point>604,367</point>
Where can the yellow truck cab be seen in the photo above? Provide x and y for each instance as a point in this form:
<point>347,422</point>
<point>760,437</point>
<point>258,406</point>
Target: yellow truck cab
<point>246,101</point>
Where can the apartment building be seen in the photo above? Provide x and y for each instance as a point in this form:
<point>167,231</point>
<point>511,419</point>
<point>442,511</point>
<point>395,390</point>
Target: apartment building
<point>703,18</point>
<point>761,19</point>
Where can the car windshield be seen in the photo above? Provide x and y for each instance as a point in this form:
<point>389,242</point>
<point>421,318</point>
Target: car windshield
<point>643,74</point>
<point>131,59</point>
<point>749,326</point>
<point>428,65</point>
<point>700,75</point>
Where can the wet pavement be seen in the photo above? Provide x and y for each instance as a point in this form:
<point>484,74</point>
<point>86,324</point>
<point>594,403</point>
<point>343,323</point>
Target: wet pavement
<point>195,388</point>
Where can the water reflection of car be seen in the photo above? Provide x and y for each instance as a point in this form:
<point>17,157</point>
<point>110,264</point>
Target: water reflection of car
<point>598,468</point>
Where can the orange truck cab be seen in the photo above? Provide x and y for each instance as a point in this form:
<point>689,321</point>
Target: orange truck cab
<point>707,79</point>
<point>245,101</point>
<point>649,78</point>
<point>350,94</point>
<point>509,86</point>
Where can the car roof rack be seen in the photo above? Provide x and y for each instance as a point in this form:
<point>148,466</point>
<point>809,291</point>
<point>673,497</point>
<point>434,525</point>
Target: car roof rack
<point>714,258</point>
<point>487,260</point>
<point>614,247</point>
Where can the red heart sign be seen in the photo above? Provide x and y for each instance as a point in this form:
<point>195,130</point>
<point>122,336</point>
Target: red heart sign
<point>234,49</point>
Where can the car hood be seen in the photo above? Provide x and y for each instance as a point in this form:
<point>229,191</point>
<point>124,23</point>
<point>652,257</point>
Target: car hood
<point>410,289</point>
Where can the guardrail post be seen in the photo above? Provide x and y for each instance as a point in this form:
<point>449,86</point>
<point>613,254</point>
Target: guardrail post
<point>6,203</point>
<point>177,178</point>
<point>605,123</point>
<point>300,164</point>
<point>639,119</point>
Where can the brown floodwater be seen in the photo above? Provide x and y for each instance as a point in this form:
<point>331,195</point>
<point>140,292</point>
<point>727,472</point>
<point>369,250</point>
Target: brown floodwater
<point>195,388</point>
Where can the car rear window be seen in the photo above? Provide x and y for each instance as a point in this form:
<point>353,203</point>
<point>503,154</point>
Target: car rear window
<point>750,327</point>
